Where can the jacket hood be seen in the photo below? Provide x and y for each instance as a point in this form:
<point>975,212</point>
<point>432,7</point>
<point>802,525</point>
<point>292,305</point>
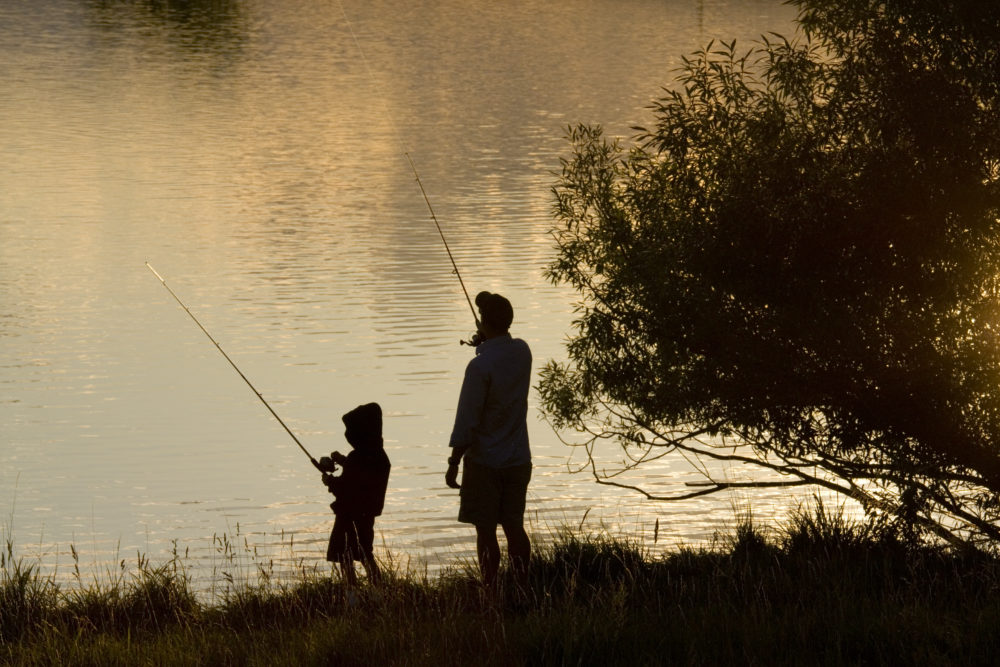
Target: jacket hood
<point>364,426</point>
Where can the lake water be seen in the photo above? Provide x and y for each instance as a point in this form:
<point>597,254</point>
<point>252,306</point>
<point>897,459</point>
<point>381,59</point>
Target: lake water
<point>253,152</point>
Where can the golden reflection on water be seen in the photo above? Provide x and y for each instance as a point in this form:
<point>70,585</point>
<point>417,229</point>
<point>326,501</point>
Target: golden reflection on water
<point>244,150</point>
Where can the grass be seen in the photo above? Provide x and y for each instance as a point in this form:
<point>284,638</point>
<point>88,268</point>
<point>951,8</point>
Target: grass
<point>820,591</point>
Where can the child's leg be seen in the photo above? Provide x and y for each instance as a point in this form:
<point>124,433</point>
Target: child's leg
<point>371,568</point>
<point>366,545</point>
<point>347,570</point>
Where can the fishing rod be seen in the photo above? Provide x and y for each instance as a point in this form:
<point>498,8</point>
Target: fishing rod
<point>443,239</point>
<point>399,137</point>
<point>235,367</point>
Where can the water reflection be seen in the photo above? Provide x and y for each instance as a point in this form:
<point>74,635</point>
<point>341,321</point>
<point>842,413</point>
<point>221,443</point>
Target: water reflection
<point>217,29</point>
<point>244,150</point>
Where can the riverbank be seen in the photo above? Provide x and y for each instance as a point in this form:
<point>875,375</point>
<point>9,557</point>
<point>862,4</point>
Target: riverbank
<point>820,591</point>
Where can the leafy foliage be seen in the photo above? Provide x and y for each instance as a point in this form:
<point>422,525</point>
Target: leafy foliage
<point>797,265</point>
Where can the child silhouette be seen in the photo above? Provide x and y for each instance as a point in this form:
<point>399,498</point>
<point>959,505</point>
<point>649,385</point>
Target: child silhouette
<point>359,491</point>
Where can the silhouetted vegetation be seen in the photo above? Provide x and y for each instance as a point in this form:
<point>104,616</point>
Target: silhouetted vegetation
<point>797,268</point>
<point>821,591</point>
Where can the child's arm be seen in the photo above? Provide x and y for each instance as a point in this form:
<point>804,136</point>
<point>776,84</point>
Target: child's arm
<point>333,484</point>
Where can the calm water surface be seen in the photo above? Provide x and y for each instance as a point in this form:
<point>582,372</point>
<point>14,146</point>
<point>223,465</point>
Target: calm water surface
<point>253,153</point>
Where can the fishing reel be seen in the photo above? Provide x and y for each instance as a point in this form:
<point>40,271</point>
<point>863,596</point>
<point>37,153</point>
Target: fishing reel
<point>475,341</point>
<point>328,464</point>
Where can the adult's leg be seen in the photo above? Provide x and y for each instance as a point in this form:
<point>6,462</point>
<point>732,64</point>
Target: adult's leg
<point>515,489</point>
<point>488,549</point>
<point>518,548</point>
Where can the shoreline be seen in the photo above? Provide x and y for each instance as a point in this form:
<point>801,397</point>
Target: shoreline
<point>820,591</point>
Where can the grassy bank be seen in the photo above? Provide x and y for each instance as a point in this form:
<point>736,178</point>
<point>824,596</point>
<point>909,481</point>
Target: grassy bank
<point>821,591</point>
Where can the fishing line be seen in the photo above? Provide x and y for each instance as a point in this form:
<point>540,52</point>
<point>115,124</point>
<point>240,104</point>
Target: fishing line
<point>409,160</point>
<point>235,367</point>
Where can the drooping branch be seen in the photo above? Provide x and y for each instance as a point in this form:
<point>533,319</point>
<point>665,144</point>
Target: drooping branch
<point>844,471</point>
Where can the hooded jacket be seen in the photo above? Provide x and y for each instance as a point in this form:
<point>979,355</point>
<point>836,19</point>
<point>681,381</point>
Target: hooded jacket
<point>360,488</point>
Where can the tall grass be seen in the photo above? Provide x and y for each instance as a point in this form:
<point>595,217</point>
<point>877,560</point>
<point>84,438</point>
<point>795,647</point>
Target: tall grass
<point>818,590</point>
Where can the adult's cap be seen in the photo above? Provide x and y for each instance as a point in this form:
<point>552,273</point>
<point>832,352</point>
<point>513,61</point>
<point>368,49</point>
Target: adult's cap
<point>495,311</point>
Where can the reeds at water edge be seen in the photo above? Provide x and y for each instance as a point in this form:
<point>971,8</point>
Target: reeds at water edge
<point>818,590</point>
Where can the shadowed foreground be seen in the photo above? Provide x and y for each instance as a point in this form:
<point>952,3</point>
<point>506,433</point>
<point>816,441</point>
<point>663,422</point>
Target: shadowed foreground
<point>821,592</point>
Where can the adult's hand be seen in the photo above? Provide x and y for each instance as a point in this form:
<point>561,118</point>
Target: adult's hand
<point>451,477</point>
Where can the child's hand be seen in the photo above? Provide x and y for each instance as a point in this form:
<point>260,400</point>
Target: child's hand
<point>330,481</point>
<point>338,458</point>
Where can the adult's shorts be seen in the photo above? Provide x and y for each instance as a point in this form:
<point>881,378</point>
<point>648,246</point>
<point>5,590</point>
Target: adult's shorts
<point>491,496</point>
<point>351,539</point>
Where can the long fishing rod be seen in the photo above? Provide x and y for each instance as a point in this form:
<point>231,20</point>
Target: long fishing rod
<point>413,168</point>
<point>443,239</point>
<point>235,367</point>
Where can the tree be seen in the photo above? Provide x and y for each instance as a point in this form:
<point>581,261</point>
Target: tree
<point>797,267</point>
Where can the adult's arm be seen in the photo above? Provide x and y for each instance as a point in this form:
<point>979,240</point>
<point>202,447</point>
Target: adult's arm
<point>471,400</point>
<point>451,477</point>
